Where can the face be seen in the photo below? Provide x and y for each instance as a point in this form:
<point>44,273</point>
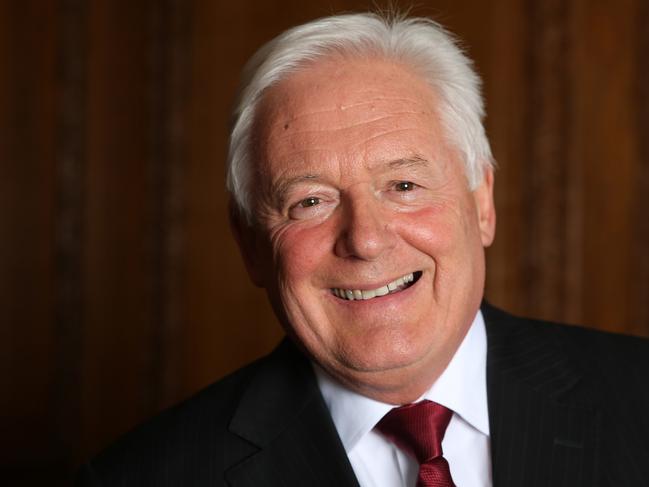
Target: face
<point>368,241</point>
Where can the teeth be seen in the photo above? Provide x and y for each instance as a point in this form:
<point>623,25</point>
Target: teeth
<point>382,291</point>
<point>391,287</point>
<point>369,294</point>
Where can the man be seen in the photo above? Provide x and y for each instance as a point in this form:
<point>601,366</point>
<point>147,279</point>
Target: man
<point>361,183</point>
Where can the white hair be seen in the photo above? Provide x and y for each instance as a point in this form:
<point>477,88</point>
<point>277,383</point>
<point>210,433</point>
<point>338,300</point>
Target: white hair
<point>420,43</point>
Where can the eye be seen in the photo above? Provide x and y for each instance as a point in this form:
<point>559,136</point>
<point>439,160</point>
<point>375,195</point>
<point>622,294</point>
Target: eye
<point>312,207</point>
<point>404,186</point>
<point>310,201</point>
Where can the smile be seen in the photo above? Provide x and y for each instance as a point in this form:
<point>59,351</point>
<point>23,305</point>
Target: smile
<point>395,286</point>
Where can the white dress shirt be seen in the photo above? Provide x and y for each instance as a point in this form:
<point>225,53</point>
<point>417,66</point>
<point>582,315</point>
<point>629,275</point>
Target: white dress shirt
<point>462,387</point>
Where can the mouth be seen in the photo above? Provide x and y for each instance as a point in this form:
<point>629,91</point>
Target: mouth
<point>398,285</point>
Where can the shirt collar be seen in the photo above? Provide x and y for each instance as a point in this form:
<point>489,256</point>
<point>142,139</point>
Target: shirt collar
<point>462,387</point>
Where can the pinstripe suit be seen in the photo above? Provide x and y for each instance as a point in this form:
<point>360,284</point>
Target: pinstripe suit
<point>567,407</point>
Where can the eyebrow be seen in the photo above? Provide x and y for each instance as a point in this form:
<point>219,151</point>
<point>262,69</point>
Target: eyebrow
<point>281,189</point>
<point>413,161</point>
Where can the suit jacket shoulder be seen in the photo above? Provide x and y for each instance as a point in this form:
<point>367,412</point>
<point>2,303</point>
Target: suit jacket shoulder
<point>266,424</point>
<point>567,405</point>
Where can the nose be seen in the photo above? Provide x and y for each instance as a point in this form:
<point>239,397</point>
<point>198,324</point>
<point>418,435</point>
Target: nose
<point>365,229</point>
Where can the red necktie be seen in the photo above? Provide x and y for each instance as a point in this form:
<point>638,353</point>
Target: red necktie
<point>419,429</point>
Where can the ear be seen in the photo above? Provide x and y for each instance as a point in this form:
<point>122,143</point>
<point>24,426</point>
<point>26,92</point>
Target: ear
<point>249,242</point>
<point>484,200</point>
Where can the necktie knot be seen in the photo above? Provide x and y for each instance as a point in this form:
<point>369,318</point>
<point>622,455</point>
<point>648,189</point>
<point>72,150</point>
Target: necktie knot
<point>419,430</point>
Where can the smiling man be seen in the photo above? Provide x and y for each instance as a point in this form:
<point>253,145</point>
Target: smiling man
<point>360,192</point>
<point>361,182</point>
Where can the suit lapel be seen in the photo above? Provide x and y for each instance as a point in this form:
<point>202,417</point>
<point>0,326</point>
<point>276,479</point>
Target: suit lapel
<point>283,414</point>
<point>543,432</point>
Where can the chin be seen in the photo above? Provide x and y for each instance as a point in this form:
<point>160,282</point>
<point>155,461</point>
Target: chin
<point>368,357</point>
<point>393,380</point>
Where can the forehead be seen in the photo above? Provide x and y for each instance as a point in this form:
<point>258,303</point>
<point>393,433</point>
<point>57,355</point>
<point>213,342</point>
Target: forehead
<point>328,88</point>
<point>352,109</point>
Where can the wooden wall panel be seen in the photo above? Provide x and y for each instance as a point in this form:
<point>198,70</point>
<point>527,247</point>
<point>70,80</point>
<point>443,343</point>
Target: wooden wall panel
<point>568,235</point>
<point>121,288</point>
<point>120,335</point>
<point>27,293</point>
<point>605,116</point>
<point>638,298</point>
<point>170,64</point>
<point>546,174</point>
<point>507,96</point>
<point>70,129</point>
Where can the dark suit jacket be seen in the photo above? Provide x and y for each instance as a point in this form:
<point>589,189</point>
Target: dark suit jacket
<point>567,407</point>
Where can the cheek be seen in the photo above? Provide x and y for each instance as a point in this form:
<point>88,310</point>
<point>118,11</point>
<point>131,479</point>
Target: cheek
<point>455,218</point>
<point>429,230</point>
<point>300,252</point>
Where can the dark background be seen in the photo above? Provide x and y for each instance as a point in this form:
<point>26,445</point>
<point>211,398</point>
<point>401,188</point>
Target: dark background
<point>121,291</point>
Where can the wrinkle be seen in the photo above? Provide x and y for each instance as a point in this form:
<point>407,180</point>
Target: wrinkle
<point>368,123</point>
<point>380,99</point>
<point>385,133</point>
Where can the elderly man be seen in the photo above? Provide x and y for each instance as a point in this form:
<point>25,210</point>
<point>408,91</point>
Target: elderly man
<point>361,183</point>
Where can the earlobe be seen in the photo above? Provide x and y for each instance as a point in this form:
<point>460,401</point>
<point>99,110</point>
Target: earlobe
<point>483,195</point>
<point>248,242</point>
